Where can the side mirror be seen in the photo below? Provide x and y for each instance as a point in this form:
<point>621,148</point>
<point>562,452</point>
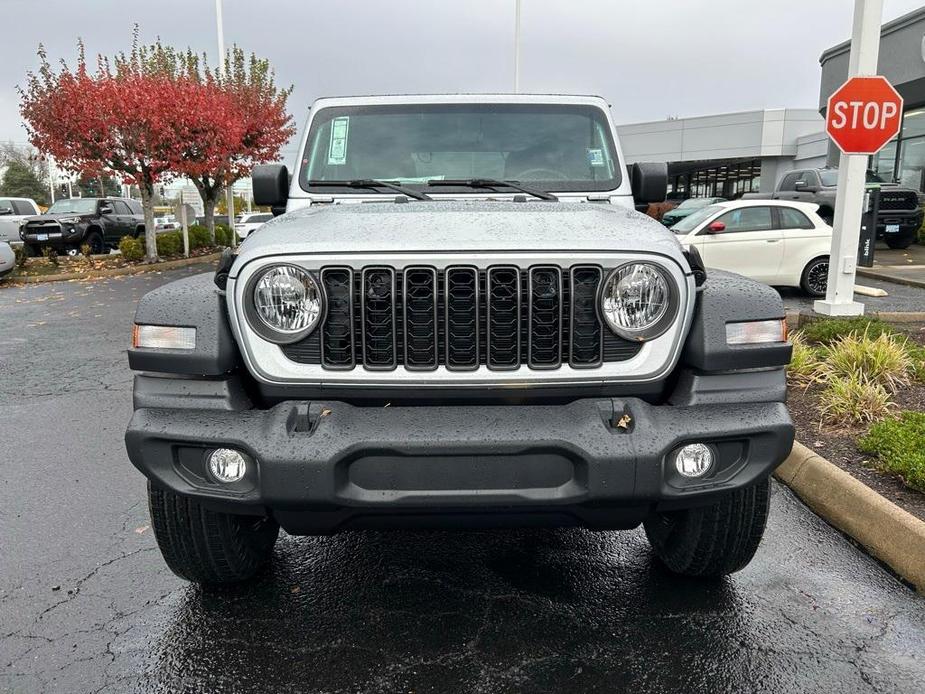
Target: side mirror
<point>716,227</point>
<point>270,183</point>
<point>649,182</point>
<point>105,208</point>
<point>6,210</point>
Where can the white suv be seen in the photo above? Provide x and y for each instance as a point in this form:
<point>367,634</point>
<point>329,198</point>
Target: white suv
<point>12,212</point>
<point>250,222</point>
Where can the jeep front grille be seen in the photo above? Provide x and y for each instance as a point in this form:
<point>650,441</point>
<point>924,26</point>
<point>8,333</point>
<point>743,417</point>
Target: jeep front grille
<point>460,317</point>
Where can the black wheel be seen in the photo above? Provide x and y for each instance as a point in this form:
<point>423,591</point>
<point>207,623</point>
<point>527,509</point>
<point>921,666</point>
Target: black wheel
<point>95,240</point>
<point>713,540</point>
<point>139,232</point>
<point>898,244</point>
<point>815,277</point>
<point>205,546</point>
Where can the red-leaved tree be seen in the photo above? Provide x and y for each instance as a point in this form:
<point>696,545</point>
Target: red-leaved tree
<point>129,122</point>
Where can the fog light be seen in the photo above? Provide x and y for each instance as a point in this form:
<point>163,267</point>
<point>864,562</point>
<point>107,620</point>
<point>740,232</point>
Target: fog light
<point>694,459</point>
<point>227,465</point>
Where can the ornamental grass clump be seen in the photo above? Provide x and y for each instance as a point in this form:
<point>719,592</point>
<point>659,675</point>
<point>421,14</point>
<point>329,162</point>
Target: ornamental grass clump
<point>852,400</point>
<point>883,360</point>
<point>804,363</point>
<point>899,446</point>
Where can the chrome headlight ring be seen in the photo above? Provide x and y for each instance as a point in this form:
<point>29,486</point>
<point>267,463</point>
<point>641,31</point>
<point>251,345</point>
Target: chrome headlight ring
<point>639,301</point>
<point>283,303</point>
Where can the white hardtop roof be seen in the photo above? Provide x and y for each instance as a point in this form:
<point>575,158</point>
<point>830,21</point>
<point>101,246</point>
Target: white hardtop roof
<point>759,202</point>
<point>395,99</point>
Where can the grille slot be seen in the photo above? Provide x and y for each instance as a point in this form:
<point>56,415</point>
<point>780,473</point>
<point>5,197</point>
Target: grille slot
<point>378,318</point>
<point>420,318</point>
<point>338,345</point>
<point>544,294</point>
<point>503,332</point>
<point>462,318</point>
<point>586,345</point>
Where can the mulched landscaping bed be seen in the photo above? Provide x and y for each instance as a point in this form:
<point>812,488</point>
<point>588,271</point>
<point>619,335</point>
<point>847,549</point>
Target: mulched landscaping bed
<point>837,445</point>
<point>40,267</point>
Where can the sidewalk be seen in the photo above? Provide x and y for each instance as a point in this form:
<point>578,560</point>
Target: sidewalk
<point>902,267</point>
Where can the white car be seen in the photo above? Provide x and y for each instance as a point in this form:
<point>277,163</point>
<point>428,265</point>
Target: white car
<point>12,212</point>
<point>250,222</point>
<point>7,259</point>
<point>781,243</point>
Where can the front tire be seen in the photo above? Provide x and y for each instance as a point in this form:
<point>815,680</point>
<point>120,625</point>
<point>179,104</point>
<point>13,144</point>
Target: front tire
<point>205,546</point>
<point>815,277</point>
<point>714,540</point>
<point>95,241</point>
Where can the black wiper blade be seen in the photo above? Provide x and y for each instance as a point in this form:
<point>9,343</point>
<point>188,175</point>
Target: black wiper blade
<point>492,183</point>
<point>372,183</point>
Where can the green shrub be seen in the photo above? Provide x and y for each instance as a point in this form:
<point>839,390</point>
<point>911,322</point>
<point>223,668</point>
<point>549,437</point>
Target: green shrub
<point>853,400</point>
<point>222,235</point>
<point>131,248</point>
<point>199,236</point>
<point>899,445</point>
<point>883,360</point>
<point>170,243</point>
<point>825,330</point>
<point>804,364</point>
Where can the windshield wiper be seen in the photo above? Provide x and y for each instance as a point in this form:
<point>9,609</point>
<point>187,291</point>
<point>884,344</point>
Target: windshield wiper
<point>491,183</point>
<point>372,183</point>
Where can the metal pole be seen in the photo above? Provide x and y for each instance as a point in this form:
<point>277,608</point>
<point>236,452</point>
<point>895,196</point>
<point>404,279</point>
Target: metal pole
<point>51,179</point>
<point>852,176</point>
<point>229,193</point>
<point>516,46</point>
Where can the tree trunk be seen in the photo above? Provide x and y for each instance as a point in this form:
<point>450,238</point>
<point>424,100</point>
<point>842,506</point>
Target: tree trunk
<point>209,193</point>
<point>147,203</point>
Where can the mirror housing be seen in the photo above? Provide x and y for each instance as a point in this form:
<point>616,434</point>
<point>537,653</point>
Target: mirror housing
<point>106,208</point>
<point>716,227</point>
<point>270,184</point>
<point>649,182</point>
<point>6,210</point>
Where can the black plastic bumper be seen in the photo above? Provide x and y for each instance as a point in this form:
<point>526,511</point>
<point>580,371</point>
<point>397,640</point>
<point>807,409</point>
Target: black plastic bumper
<point>322,466</point>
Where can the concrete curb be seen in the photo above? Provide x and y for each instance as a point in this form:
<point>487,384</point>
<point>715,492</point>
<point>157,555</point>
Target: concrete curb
<point>796,318</point>
<point>894,536</point>
<point>873,274</point>
<point>117,272</point>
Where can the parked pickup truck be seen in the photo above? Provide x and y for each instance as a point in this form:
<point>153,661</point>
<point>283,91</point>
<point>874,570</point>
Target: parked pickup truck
<point>457,318</point>
<point>900,215</point>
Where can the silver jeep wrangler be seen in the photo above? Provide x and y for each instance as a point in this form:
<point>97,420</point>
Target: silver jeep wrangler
<point>458,318</point>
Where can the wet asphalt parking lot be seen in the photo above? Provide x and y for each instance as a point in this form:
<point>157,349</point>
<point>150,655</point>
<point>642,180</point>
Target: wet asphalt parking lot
<point>87,605</point>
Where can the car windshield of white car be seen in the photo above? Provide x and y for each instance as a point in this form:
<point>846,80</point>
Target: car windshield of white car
<point>560,147</point>
<point>693,220</point>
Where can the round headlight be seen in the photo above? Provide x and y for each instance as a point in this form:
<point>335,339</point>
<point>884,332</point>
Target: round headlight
<point>286,304</point>
<point>638,301</point>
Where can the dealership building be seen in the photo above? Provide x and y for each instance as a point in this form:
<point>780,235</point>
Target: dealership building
<point>730,154</point>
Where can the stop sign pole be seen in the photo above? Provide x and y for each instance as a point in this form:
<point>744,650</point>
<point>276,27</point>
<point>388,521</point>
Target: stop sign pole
<point>843,118</point>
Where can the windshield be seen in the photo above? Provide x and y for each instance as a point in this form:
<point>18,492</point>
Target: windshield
<point>73,205</point>
<point>558,147</point>
<point>691,221</point>
<point>830,178</point>
<point>694,203</point>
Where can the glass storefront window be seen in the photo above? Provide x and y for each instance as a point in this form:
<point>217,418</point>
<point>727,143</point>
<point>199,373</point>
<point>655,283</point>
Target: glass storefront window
<point>912,163</point>
<point>884,161</point>
<point>913,123</point>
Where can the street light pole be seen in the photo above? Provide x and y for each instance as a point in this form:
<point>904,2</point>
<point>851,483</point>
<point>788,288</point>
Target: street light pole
<point>852,176</point>
<point>229,193</point>
<point>516,46</point>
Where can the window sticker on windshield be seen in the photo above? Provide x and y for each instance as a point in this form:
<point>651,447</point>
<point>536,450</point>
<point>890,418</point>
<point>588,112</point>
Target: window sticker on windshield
<point>596,157</point>
<point>337,151</point>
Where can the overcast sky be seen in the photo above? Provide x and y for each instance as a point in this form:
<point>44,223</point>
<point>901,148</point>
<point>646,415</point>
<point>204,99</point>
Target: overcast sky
<point>650,59</point>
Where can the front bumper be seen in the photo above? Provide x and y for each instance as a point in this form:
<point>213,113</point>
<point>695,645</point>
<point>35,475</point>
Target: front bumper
<point>318,467</point>
<point>908,224</point>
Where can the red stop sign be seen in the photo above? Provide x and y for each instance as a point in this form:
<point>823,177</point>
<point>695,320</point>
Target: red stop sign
<point>863,115</point>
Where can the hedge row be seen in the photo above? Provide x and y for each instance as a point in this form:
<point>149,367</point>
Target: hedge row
<point>170,243</point>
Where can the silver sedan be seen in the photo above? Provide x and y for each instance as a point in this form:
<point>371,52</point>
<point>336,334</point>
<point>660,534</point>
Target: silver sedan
<point>7,259</point>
